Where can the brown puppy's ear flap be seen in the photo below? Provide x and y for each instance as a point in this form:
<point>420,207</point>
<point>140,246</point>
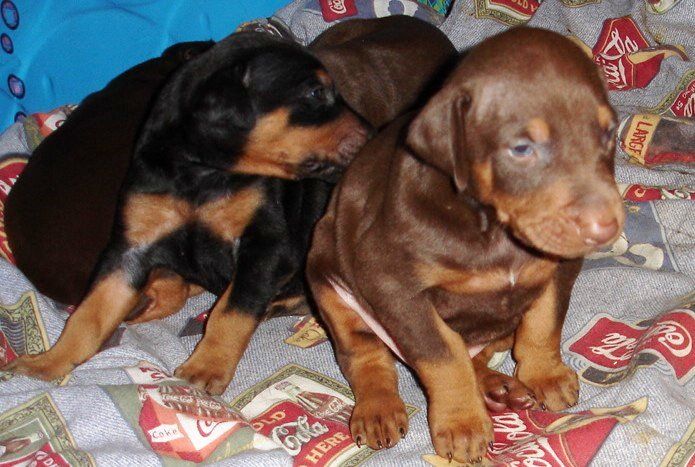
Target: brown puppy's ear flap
<point>437,136</point>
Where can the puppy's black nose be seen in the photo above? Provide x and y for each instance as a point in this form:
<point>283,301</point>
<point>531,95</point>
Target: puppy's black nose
<point>597,230</point>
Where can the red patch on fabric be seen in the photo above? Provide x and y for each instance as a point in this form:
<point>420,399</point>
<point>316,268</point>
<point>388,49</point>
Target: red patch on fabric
<point>202,317</point>
<point>7,353</point>
<point>684,105</point>
<point>524,7</point>
<point>43,456</point>
<point>670,158</point>
<point>333,10</point>
<point>49,122</point>
<point>611,345</point>
<point>312,438</point>
<point>641,193</point>
<point>521,438</point>
<point>619,38</point>
<point>10,168</point>
<point>183,422</point>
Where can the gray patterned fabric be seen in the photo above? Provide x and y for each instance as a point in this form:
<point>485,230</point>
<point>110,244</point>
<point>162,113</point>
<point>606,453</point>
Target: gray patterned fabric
<point>629,331</point>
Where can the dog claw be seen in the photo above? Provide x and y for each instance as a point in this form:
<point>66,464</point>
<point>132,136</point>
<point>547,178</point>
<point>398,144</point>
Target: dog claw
<point>379,444</point>
<point>358,441</point>
<point>450,456</point>
<point>401,430</point>
<point>388,442</point>
<point>543,406</point>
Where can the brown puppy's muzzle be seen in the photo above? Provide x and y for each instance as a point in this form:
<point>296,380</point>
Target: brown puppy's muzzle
<point>589,221</point>
<point>600,220</point>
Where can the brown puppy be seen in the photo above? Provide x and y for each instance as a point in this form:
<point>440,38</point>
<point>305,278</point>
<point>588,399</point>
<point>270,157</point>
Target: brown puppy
<point>382,67</point>
<point>464,227</point>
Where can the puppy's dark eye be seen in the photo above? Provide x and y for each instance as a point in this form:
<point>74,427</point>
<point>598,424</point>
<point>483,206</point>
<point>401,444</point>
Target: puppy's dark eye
<point>521,151</point>
<point>319,93</point>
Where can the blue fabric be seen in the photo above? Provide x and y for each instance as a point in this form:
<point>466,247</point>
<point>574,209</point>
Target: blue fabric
<point>58,51</point>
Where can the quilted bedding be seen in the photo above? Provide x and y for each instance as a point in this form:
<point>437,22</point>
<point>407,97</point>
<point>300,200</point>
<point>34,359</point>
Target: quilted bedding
<point>629,332</point>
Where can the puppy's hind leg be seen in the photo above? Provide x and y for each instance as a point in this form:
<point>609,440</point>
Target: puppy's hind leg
<point>165,293</point>
<point>112,296</point>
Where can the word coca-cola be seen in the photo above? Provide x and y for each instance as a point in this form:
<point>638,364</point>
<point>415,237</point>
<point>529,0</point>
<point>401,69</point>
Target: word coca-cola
<point>294,435</point>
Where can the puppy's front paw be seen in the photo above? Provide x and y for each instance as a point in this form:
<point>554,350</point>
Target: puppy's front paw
<point>205,373</point>
<point>41,366</point>
<point>556,387</point>
<point>461,435</point>
<point>379,422</point>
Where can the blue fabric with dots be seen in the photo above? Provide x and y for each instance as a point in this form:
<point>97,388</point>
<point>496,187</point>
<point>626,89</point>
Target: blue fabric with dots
<point>54,52</point>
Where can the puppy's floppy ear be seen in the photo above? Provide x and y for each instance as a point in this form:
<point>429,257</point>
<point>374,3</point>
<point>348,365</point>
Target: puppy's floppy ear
<point>221,108</point>
<point>437,134</point>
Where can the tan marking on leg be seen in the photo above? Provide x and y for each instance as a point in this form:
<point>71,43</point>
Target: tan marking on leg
<point>289,306</point>
<point>460,427</point>
<point>104,308</point>
<point>167,293</point>
<point>538,130</point>
<point>227,217</point>
<point>213,363</point>
<point>537,351</point>
<point>379,419</point>
<point>150,217</point>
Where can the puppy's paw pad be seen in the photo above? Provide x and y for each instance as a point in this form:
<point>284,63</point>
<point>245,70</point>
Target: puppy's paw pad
<point>463,438</point>
<point>379,422</point>
<point>506,392</point>
<point>556,388</point>
<point>211,379</point>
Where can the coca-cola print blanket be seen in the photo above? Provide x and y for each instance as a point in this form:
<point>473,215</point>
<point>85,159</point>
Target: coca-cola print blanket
<point>629,331</point>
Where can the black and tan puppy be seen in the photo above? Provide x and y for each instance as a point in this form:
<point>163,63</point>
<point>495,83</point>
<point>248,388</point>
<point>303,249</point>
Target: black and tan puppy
<point>201,199</point>
<point>462,228</point>
<point>292,207</point>
<point>60,213</point>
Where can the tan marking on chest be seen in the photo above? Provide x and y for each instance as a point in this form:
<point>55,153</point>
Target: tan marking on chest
<point>460,281</point>
<point>470,282</point>
<point>149,217</point>
<point>227,217</point>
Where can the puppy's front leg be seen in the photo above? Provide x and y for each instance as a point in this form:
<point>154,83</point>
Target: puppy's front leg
<point>460,426</point>
<point>262,268</point>
<point>537,352</point>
